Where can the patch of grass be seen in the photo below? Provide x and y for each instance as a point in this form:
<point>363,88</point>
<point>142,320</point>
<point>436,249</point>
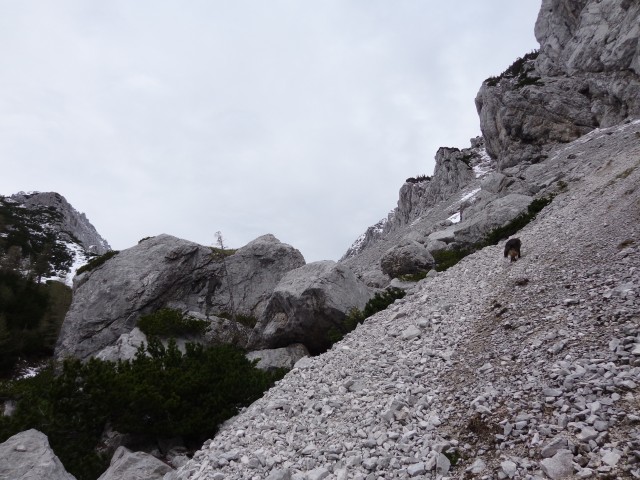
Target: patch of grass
<point>168,322</point>
<point>625,173</point>
<point>562,186</point>
<point>448,258</point>
<point>219,253</point>
<point>413,277</point>
<point>97,261</point>
<point>626,243</point>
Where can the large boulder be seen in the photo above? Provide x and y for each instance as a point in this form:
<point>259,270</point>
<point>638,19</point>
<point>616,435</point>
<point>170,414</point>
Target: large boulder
<point>129,465</point>
<point>306,304</point>
<point>406,259</point>
<point>494,214</point>
<point>28,456</point>
<point>254,271</point>
<point>166,271</point>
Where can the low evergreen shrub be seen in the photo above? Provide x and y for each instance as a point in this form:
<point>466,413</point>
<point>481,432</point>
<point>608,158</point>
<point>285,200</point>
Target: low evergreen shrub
<point>168,322</point>
<point>161,392</point>
<point>97,261</point>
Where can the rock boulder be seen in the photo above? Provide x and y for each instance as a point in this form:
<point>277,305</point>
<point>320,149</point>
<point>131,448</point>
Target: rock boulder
<point>126,464</point>
<point>307,303</point>
<point>28,456</point>
<point>406,259</point>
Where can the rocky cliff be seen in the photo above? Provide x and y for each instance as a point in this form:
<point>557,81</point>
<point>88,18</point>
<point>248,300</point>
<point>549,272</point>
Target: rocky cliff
<point>50,236</point>
<point>585,75</point>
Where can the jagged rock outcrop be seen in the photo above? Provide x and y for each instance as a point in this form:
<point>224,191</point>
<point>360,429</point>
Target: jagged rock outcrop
<point>427,215</point>
<point>72,225</point>
<point>28,456</point>
<point>128,465</point>
<point>306,304</point>
<point>165,271</point>
<point>586,75</point>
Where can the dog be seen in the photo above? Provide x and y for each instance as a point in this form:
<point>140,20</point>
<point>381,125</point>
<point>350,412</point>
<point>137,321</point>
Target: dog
<point>512,249</point>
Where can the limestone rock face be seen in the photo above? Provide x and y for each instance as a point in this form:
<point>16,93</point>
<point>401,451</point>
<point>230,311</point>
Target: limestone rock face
<point>165,271</point>
<point>135,465</point>
<point>406,259</point>
<point>585,76</point>
<point>28,456</point>
<point>307,302</point>
<point>254,271</point>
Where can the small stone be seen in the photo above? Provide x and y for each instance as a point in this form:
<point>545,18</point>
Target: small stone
<point>442,464</point>
<point>318,474</point>
<point>611,457</point>
<point>279,475</point>
<point>416,469</point>
<point>477,467</point>
<point>509,468</point>
<point>552,392</point>
<point>411,332</point>
<point>559,466</point>
<point>586,434</point>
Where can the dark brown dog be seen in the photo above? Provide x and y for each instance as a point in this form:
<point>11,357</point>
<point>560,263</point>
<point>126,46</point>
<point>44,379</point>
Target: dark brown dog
<point>512,249</point>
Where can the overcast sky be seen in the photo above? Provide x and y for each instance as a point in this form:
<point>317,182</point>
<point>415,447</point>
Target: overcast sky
<point>300,118</point>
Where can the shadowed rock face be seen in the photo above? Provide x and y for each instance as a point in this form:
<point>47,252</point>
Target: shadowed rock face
<point>306,303</point>
<point>585,76</point>
<point>165,271</point>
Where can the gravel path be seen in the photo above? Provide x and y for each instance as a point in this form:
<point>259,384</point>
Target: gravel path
<point>490,369</point>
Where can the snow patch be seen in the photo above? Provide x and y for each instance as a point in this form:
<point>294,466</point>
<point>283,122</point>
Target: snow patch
<point>455,218</point>
<point>470,195</point>
<point>485,166</point>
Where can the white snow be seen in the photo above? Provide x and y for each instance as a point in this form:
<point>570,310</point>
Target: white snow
<point>484,166</point>
<point>455,218</point>
<point>79,259</point>
<point>470,195</point>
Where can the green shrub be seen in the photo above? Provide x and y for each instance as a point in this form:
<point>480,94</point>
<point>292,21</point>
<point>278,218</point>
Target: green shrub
<point>163,394</point>
<point>418,179</point>
<point>31,315</point>
<point>168,322</point>
<point>413,277</point>
<point>448,258</point>
<point>517,69</point>
<point>355,316</point>
<point>97,261</point>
